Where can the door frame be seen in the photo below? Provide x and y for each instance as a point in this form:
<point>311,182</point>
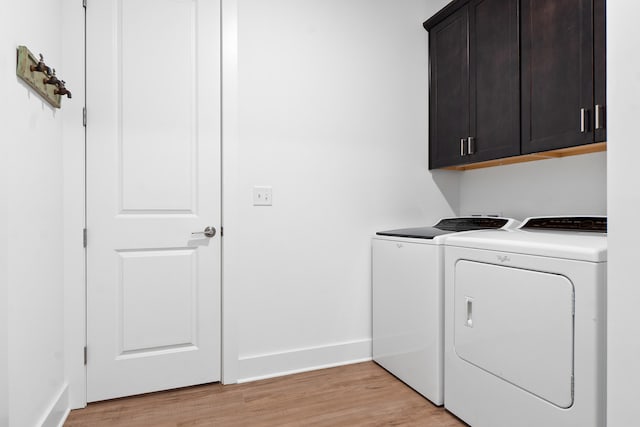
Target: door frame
<point>74,190</point>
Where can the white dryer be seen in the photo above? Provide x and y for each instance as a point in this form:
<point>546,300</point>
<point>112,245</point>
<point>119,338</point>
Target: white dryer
<point>525,324</point>
<point>408,299</point>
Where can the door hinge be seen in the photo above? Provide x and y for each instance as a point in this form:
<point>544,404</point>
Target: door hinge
<point>84,237</point>
<point>221,231</point>
<point>85,354</point>
<point>84,116</point>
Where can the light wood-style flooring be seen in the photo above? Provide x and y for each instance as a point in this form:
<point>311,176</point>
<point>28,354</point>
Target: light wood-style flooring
<point>362,394</point>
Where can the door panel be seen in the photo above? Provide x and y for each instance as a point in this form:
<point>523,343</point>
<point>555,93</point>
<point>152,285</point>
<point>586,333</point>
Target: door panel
<point>157,176</point>
<point>517,325</point>
<point>153,178</point>
<point>449,85</point>
<point>157,310</point>
<point>600,68</point>
<point>494,79</point>
<point>557,73</point>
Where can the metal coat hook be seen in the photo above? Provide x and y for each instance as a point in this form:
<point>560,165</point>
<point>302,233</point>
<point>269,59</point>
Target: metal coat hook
<point>51,79</point>
<point>41,66</point>
<point>62,90</point>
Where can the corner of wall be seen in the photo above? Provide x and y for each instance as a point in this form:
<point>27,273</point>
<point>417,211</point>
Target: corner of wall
<point>58,410</point>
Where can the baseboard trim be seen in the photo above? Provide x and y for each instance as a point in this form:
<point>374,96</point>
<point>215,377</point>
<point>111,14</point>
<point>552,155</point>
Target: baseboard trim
<point>271,365</point>
<point>58,411</point>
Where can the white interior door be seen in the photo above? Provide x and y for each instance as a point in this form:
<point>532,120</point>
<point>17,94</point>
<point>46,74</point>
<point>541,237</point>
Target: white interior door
<point>153,178</point>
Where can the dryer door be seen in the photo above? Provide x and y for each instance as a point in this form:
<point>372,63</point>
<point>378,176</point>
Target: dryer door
<point>518,325</point>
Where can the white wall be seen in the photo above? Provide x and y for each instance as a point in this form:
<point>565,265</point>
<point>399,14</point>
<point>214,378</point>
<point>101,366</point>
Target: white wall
<point>623,103</point>
<point>4,351</point>
<point>565,186</point>
<point>4,319</point>
<point>32,149</point>
<point>5,75</point>
<point>332,112</point>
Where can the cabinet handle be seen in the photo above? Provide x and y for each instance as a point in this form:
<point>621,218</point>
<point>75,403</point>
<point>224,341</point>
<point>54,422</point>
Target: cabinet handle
<point>471,146</point>
<point>583,120</point>
<point>599,117</point>
<point>462,153</point>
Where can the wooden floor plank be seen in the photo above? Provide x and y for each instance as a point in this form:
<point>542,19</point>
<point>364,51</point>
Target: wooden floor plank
<point>362,394</point>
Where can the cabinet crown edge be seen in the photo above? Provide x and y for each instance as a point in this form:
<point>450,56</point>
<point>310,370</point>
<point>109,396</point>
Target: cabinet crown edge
<point>443,13</point>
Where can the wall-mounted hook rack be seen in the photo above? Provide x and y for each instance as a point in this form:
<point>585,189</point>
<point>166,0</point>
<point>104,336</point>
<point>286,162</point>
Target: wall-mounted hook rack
<point>40,77</point>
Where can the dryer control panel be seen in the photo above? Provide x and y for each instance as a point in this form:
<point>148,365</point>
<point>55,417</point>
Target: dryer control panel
<point>596,224</point>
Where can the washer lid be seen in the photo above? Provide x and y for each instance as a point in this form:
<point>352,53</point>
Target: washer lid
<point>449,225</point>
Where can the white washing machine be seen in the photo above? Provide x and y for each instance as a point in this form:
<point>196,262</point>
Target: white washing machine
<point>408,300</point>
<point>525,324</point>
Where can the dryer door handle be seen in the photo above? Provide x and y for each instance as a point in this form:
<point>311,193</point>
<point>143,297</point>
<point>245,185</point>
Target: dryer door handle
<point>469,306</point>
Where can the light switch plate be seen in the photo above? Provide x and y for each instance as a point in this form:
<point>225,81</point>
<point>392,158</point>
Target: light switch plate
<point>262,196</point>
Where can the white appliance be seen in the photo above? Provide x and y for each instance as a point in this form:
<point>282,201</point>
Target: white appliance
<point>408,300</point>
<point>525,324</point>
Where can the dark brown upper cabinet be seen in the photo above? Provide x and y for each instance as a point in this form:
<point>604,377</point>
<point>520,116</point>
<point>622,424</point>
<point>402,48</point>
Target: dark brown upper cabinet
<point>562,73</point>
<point>512,77</point>
<point>474,81</point>
<point>494,79</point>
<point>449,90</point>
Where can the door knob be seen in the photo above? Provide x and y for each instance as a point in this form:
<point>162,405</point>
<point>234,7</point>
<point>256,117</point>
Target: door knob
<point>208,232</point>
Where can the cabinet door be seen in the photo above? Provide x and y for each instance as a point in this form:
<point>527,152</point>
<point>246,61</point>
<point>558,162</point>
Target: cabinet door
<point>599,67</point>
<point>557,74</point>
<point>494,79</point>
<point>449,97</point>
